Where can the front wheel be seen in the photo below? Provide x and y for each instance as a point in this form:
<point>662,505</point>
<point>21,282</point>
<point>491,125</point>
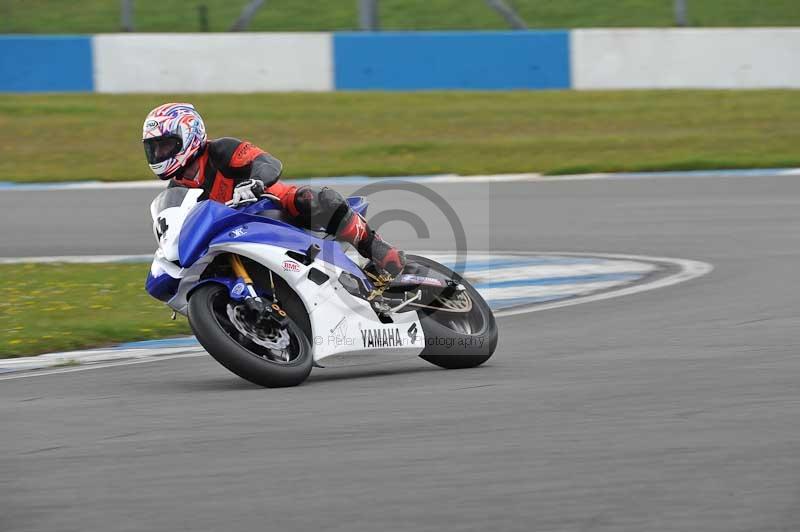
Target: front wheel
<point>274,359</point>
<point>456,340</point>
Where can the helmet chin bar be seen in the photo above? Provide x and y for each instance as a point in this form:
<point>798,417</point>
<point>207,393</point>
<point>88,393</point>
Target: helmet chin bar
<point>190,162</point>
<point>160,169</point>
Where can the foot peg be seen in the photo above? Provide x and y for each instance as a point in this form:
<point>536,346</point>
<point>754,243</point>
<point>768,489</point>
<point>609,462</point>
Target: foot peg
<point>305,257</point>
<point>311,254</point>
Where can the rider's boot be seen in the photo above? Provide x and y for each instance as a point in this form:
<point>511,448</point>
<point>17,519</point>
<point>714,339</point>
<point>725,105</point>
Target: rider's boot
<point>371,246</point>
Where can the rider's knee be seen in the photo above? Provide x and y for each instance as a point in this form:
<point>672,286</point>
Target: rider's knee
<point>306,202</point>
<point>323,207</point>
<point>329,199</point>
<point>335,209</point>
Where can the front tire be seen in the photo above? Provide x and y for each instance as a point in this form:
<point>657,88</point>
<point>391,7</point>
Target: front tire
<point>213,331</point>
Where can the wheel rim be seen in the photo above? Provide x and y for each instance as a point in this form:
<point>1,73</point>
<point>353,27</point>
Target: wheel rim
<point>278,347</point>
<point>470,320</point>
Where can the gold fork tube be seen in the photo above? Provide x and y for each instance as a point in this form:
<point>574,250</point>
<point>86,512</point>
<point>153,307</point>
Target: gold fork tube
<point>239,269</point>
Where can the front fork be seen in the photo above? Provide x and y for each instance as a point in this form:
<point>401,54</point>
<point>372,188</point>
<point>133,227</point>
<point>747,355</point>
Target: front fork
<point>253,301</point>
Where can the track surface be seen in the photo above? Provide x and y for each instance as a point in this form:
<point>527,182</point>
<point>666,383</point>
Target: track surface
<point>675,409</point>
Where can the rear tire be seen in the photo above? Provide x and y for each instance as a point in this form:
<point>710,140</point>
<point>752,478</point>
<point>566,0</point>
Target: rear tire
<point>449,348</point>
<point>207,325</point>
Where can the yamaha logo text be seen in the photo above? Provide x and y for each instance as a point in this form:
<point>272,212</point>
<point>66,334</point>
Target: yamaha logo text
<point>381,338</point>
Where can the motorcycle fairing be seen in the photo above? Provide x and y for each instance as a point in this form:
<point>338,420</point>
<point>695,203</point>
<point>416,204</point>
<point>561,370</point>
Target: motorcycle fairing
<point>162,287</point>
<point>341,325</point>
<point>211,224</point>
<point>345,329</point>
<point>359,205</point>
<point>296,240</point>
<point>163,278</point>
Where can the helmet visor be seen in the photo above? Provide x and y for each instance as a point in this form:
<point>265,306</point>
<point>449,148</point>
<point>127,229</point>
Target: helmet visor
<point>159,149</point>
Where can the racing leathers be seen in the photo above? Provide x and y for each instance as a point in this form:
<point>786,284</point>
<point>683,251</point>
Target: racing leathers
<point>229,168</point>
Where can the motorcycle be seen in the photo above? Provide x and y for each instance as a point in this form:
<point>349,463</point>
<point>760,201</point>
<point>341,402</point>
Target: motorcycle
<point>270,300</point>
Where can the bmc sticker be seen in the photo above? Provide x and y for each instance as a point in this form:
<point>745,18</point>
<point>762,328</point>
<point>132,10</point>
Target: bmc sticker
<point>291,266</point>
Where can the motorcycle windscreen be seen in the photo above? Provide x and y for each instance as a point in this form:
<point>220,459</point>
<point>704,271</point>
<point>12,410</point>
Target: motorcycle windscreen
<point>171,197</point>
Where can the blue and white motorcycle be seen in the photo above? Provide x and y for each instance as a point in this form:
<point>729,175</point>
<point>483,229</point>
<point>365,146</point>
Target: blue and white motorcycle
<point>269,300</point>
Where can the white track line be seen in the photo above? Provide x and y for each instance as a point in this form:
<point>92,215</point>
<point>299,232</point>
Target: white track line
<point>433,179</point>
<point>58,371</point>
<point>688,270</point>
<point>78,259</point>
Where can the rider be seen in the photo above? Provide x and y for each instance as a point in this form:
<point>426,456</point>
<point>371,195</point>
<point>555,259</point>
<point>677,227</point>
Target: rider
<point>228,169</point>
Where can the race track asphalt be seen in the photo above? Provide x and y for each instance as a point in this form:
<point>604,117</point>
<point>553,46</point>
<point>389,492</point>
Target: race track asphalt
<point>675,409</point>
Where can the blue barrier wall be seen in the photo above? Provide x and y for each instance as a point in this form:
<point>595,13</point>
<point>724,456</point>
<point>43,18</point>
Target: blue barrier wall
<point>452,60</point>
<point>45,64</point>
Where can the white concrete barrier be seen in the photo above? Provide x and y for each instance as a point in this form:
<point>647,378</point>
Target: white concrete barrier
<point>685,58</point>
<point>254,62</point>
<point>599,59</point>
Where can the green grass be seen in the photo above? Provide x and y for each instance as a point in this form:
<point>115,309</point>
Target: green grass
<point>78,137</point>
<point>55,307</point>
<point>100,16</point>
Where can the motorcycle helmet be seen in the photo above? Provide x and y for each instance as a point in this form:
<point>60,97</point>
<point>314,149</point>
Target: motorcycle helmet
<point>173,135</point>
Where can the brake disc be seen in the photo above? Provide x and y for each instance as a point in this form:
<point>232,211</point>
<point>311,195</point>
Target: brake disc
<point>459,302</point>
<point>273,338</point>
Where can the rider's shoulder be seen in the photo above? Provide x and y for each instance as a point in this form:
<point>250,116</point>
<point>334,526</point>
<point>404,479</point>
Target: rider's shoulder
<point>223,148</point>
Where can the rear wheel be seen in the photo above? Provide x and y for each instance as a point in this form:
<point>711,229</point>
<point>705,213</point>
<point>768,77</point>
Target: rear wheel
<point>462,333</point>
<point>270,357</point>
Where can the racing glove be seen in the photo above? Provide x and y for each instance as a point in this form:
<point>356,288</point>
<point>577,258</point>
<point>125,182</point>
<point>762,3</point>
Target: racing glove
<point>246,192</point>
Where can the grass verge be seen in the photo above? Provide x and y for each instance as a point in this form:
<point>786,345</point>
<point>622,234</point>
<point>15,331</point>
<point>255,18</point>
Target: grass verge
<point>91,136</point>
<point>59,307</point>
<point>97,16</point>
